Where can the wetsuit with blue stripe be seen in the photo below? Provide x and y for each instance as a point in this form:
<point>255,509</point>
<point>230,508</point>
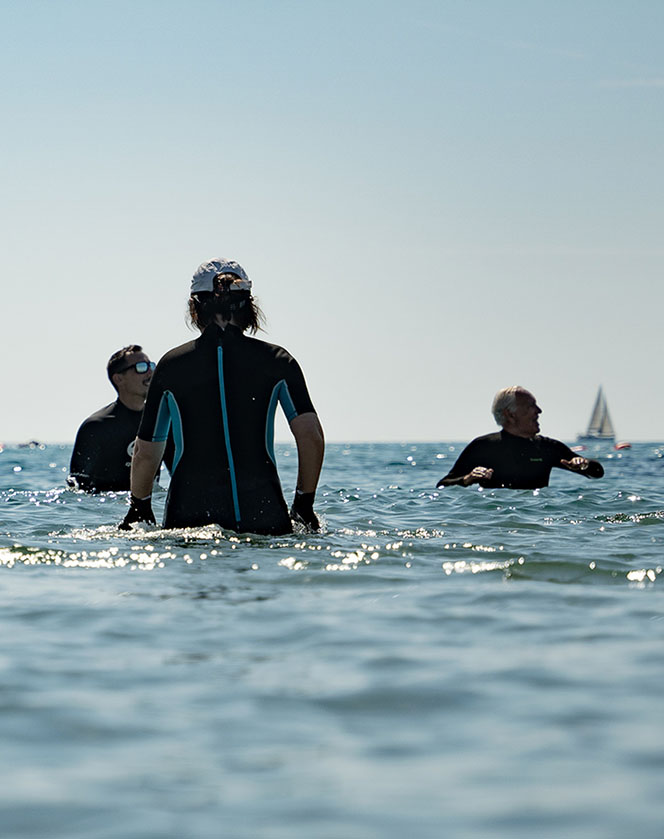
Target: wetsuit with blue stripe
<point>218,395</point>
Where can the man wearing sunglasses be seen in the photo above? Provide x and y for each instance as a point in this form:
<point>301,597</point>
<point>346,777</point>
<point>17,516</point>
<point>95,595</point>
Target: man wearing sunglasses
<point>101,458</point>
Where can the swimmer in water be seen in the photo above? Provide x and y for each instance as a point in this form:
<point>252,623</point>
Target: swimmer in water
<point>517,457</point>
<point>218,395</point>
<point>101,457</point>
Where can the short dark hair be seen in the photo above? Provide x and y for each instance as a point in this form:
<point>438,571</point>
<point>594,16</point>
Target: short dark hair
<point>117,361</point>
<point>237,306</point>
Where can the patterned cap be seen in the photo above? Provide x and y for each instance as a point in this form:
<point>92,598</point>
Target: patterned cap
<point>204,275</point>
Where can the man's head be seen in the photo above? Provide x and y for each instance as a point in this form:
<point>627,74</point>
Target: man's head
<point>129,371</point>
<point>516,410</point>
<point>221,287</point>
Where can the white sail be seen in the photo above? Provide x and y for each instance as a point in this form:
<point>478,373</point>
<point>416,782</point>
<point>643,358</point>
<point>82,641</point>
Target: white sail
<point>600,426</point>
<point>606,426</point>
<point>597,415</point>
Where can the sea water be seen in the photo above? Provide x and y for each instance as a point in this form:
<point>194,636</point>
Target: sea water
<point>434,663</point>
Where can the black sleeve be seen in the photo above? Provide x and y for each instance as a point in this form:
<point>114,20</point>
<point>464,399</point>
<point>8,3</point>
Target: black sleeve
<point>155,421</point>
<point>85,457</point>
<point>169,452</point>
<point>594,470</point>
<point>563,452</point>
<point>296,400</point>
<point>467,460</point>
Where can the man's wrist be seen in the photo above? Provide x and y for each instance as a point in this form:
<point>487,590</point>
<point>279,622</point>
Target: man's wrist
<point>300,493</point>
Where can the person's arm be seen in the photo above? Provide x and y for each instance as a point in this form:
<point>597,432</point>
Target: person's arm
<point>84,458</point>
<point>310,442</point>
<point>468,469</point>
<point>583,466</point>
<point>477,475</point>
<point>145,463</point>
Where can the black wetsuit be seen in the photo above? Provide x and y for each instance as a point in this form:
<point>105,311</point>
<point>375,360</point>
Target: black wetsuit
<point>102,452</point>
<point>517,462</point>
<point>219,395</point>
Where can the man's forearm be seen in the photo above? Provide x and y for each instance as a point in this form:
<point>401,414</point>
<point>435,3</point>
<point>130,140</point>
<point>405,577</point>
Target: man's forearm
<point>583,466</point>
<point>144,465</point>
<point>310,454</point>
<point>451,482</point>
<point>310,450</point>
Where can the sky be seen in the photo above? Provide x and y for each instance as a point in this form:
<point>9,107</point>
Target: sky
<point>434,199</point>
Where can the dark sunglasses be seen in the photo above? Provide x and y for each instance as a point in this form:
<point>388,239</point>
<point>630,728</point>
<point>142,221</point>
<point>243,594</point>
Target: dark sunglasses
<point>139,367</point>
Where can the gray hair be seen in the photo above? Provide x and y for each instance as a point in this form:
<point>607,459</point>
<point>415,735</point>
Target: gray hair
<point>505,400</point>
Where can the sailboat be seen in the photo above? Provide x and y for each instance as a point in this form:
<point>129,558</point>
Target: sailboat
<point>600,426</point>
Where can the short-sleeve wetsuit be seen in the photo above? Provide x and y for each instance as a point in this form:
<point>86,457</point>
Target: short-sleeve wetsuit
<point>517,462</point>
<point>101,456</point>
<point>218,395</point>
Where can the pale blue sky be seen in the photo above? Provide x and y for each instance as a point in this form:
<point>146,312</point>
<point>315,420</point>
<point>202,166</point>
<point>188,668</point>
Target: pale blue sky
<point>434,200</point>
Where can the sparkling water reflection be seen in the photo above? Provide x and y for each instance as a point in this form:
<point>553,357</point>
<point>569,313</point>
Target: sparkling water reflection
<point>443,662</point>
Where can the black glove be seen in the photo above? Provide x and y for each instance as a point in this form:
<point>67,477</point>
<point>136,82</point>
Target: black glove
<point>140,509</point>
<point>303,509</point>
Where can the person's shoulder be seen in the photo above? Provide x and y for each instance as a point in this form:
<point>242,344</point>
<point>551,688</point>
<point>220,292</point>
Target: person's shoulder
<point>102,415</point>
<point>182,350</point>
<point>550,441</point>
<point>275,351</point>
<point>493,437</point>
<point>557,448</point>
<point>478,444</point>
<point>96,425</point>
<point>262,345</point>
<point>174,362</point>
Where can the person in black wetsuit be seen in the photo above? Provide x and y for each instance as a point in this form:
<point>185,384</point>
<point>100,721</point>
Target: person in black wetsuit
<point>101,457</point>
<point>218,395</point>
<point>516,457</point>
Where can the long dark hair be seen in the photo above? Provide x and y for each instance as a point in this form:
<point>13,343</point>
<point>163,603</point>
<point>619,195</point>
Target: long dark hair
<point>236,306</point>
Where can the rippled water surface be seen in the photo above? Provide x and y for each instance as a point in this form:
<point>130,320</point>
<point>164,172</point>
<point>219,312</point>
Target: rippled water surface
<point>435,663</point>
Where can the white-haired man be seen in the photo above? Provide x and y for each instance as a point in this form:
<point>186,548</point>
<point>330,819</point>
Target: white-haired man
<point>517,457</point>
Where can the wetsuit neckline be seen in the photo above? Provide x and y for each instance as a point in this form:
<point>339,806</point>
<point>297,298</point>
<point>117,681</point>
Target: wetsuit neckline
<point>509,436</point>
<point>216,335</point>
<point>120,406</point>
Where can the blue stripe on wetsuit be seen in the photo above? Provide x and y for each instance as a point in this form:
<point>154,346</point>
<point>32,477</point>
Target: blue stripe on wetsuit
<point>280,393</point>
<point>169,415</point>
<point>227,436</point>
